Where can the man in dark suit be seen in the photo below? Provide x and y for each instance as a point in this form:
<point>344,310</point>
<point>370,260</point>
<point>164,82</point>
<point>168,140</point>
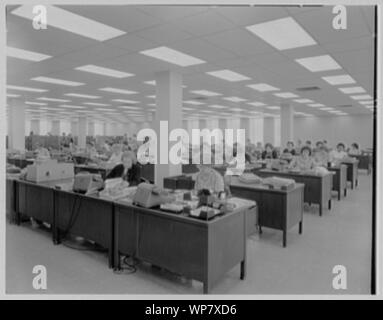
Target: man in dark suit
<point>128,170</point>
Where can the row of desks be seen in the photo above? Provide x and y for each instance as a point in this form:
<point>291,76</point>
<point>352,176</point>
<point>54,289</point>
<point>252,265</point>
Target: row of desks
<point>201,250</point>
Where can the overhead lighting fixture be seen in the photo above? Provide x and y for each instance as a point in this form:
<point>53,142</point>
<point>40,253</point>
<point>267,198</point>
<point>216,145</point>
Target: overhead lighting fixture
<point>151,97</point>
<point>366,102</point>
<point>282,34</point>
<point>130,107</point>
<point>228,75</point>
<point>256,104</point>
<point>234,99</point>
<point>216,106</point>
<point>196,103</point>
<point>52,99</point>
<point>71,22</point>
<point>316,105</point>
<point>80,95</point>
<point>303,101</point>
<point>104,71</point>
<point>71,106</point>
<point>206,93</point>
<point>326,109</point>
<point>26,55</point>
<point>96,104</point>
<point>58,81</point>
<point>125,101</point>
<point>262,87</point>
<point>172,56</point>
<point>25,89</point>
<point>236,109</point>
<point>286,95</point>
<point>319,63</point>
<point>273,107</point>
<point>350,90</point>
<point>116,90</point>
<point>35,103</point>
<point>361,97</point>
<point>338,80</point>
<point>151,82</point>
<point>11,95</point>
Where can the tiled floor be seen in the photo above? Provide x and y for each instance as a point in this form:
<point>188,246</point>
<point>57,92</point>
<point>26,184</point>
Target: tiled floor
<point>341,236</point>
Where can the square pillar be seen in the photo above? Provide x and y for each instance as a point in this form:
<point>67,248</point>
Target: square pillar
<point>287,124</point>
<point>35,126</point>
<point>168,109</point>
<point>74,128</point>
<point>55,127</point>
<point>91,129</point>
<point>82,130</point>
<point>16,125</point>
<point>269,130</point>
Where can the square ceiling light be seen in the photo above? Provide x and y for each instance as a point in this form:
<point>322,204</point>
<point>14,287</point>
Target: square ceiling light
<point>228,75</point>
<point>26,55</point>
<point>256,104</point>
<point>273,107</point>
<point>262,87</point>
<point>351,90</point>
<point>303,101</point>
<point>282,34</point>
<point>319,63</point>
<point>172,56</point>
<point>104,71</point>
<point>338,80</point>
<point>206,93</point>
<point>361,97</point>
<point>316,105</point>
<point>71,22</point>
<point>286,95</point>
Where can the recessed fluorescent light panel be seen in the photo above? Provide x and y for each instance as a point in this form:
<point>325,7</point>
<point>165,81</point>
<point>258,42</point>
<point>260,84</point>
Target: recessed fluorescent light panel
<point>10,95</point>
<point>35,103</point>
<point>125,101</point>
<point>366,102</point>
<point>58,81</point>
<point>234,99</point>
<point>104,71</point>
<point>71,22</point>
<point>262,87</point>
<point>26,55</point>
<point>206,93</point>
<point>256,104</point>
<point>316,105</point>
<point>80,95</point>
<point>228,75</point>
<point>52,99</point>
<point>286,95</point>
<point>361,97</point>
<point>195,103</point>
<point>25,89</point>
<point>96,104</point>
<point>319,63</point>
<point>338,80</point>
<point>273,107</point>
<point>71,106</point>
<point>172,56</point>
<point>216,106</point>
<point>151,82</point>
<point>236,109</point>
<point>116,90</point>
<point>282,34</point>
<point>303,101</point>
<point>352,90</point>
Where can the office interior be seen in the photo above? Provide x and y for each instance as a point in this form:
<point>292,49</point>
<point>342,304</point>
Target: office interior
<point>79,92</point>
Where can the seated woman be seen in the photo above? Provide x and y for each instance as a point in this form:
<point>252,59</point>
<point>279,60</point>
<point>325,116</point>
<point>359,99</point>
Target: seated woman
<point>304,162</point>
<point>354,150</point>
<point>42,153</point>
<point>290,148</point>
<point>115,158</point>
<point>208,178</point>
<point>336,156</point>
<point>269,152</point>
<point>321,157</point>
<point>128,170</point>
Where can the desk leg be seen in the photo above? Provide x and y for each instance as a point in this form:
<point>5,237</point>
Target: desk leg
<point>345,191</point>
<point>243,270</point>
<point>339,192</point>
<point>352,185</point>
<point>260,229</point>
<point>329,204</point>
<point>110,258</point>
<point>284,238</point>
<point>320,209</point>
<point>356,183</point>
<point>300,227</point>
<point>206,287</point>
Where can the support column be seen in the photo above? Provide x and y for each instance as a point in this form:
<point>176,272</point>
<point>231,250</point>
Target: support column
<point>287,124</point>
<point>222,124</point>
<point>82,130</point>
<point>269,130</point>
<point>168,108</point>
<point>245,124</point>
<point>16,125</point>
<point>74,128</point>
<point>91,128</point>
<point>35,126</point>
<point>56,127</point>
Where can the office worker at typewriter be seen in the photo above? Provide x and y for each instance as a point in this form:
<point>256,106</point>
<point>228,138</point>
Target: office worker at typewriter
<point>128,170</point>
<point>42,153</point>
<point>304,162</point>
<point>209,179</point>
<point>269,152</point>
<point>116,155</point>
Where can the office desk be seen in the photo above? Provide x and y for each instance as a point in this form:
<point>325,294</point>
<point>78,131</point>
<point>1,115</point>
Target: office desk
<point>317,188</point>
<point>21,163</point>
<point>10,198</point>
<point>339,182</point>
<point>277,209</point>
<point>86,216</point>
<point>147,172</point>
<point>201,250</point>
<point>92,169</point>
<point>352,173</point>
<point>365,162</point>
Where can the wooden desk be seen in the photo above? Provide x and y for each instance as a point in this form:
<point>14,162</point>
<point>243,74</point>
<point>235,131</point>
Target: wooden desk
<point>92,169</point>
<point>10,198</point>
<point>200,250</point>
<point>365,162</point>
<point>21,163</point>
<point>317,188</point>
<point>352,173</point>
<point>277,209</point>
<point>339,182</point>
<point>86,216</point>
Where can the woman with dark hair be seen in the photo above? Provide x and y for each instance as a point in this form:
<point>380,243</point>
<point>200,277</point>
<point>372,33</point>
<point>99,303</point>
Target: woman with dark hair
<point>128,170</point>
<point>290,148</point>
<point>269,152</point>
<point>354,150</point>
<point>339,154</point>
<point>304,162</point>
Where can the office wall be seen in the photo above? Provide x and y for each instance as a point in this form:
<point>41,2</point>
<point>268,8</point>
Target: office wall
<point>347,129</point>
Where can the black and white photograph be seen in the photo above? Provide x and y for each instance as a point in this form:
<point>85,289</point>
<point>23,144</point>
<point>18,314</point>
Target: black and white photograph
<point>202,150</point>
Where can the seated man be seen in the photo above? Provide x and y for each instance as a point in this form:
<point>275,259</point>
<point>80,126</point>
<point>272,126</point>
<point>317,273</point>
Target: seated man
<point>209,179</point>
<point>128,170</point>
<point>42,153</point>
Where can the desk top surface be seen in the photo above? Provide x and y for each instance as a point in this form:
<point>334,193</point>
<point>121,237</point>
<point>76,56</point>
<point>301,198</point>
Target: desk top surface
<point>295,174</point>
<point>235,182</point>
